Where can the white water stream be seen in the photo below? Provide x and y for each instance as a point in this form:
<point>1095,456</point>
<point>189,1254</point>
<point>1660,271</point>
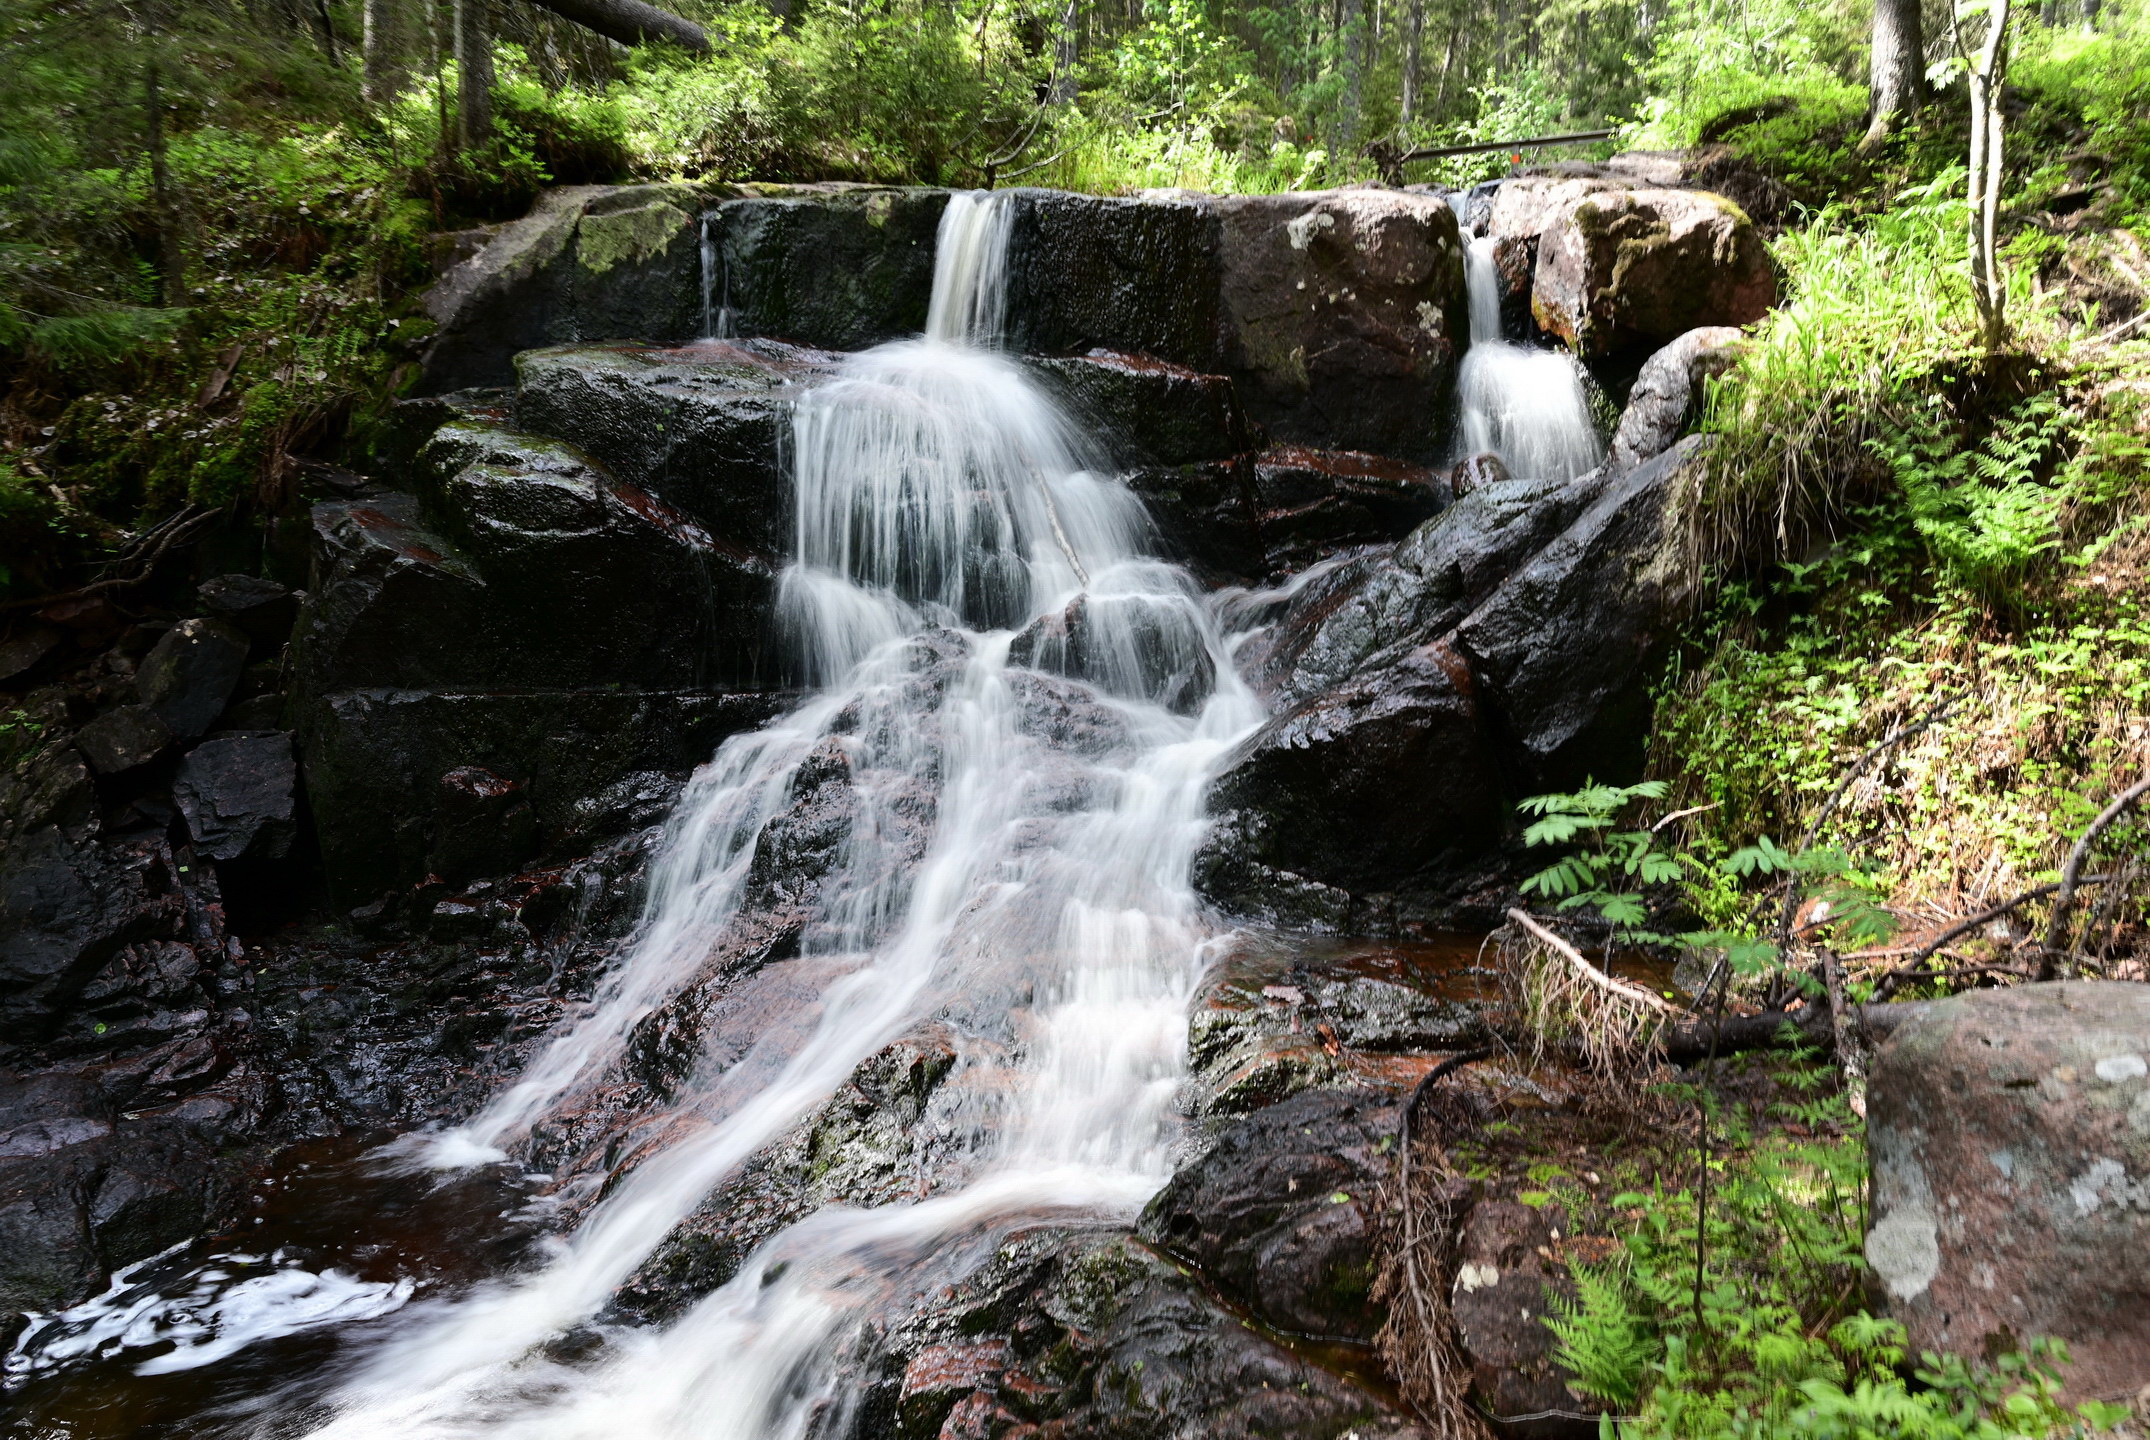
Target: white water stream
<point>942,503</point>
<point>1521,403</point>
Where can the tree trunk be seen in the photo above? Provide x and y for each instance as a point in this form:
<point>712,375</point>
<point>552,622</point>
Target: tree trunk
<point>1896,74</point>
<point>1352,31</point>
<point>1414,30</point>
<point>474,74</point>
<point>1988,71</point>
<point>171,277</point>
<point>1065,54</point>
<point>387,51</point>
<point>1448,61</point>
<point>631,22</point>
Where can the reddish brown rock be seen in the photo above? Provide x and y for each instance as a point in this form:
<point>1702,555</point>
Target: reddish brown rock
<point>2010,1134</point>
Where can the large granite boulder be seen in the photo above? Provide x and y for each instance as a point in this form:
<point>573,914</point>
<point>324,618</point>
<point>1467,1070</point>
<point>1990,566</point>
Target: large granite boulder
<point>188,677</point>
<point>1566,650</point>
<point>388,806</point>
<point>1669,391</point>
<point>589,262</point>
<point>239,793</point>
<point>1626,269</point>
<point>1313,503</point>
<point>1092,1337</point>
<point>1388,782</point>
<point>2010,1141</point>
<point>1344,315</point>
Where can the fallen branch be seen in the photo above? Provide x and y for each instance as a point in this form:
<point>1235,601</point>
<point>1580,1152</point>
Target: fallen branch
<point>2058,926</point>
<point>1590,972</point>
<point>1889,983</point>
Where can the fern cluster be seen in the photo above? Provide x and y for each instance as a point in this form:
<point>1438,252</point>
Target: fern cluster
<point>1770,1339</point>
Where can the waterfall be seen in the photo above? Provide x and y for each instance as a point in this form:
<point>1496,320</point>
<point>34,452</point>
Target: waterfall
<point>1523,404</point>
<point>948,516</point>
<point>717,321</point>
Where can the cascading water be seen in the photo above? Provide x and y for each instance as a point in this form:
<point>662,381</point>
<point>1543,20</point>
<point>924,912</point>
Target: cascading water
<point>1523,404</point>
<point>717,320</point>
<point>1019,886</point>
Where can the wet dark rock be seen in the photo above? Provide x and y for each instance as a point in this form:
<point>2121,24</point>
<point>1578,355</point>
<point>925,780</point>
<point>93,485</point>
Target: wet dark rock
<point>79,1191</point>
<point>188,679</point>
<point>590,262</point>
<point>702,427</point>
<point>1280,1210</point>
<point>846,266</point>
<point>2011,1177</point>
<point>1139,274</point>
<point>1416,592</point>
<point>1387,782</point>
<point>1369,1013</point>
<point>546,573</point>
<point>1205,512</point>
<point>1249,1045</point>
<point>1344,316</point>
<point>261,608</point>
<point>484,826</point>
<point>124,738</point>
<point>1103,1338</point>
<point>1567,649</point>
<point>1505,1287</point>
<point>374,759</point>
<point>1668,390</point>
<point>1506,647</point>
<point>239,793</point>
<point>1140,647</point>
<point>385,590</point>
<point>1314,503</point>
<point>589,580</point>
<point>71,908</point>
<point>26,644</point>
<point>1149,411</point>
<point>1475,473</point>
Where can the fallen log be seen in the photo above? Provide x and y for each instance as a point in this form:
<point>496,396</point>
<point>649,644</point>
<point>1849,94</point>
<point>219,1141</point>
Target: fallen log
<point>631,22</point>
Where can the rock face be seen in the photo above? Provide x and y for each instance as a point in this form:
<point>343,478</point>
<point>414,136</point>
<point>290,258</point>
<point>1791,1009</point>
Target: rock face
<point>845,266</point>
<point>590,262</point>
<point>1137,275</point>
<point>1508,643</point>
<point>239,794</point>
<point>609,619</point>
<point>1280,1211</point>
<point>1344,315</point>
<point>1614,267</point>
<point>2010,1141</point>
<point>1504,1289</point>
<point>1340,314</point>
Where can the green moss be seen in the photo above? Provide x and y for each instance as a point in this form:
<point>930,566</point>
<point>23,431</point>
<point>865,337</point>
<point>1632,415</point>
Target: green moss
<point>628,236</point>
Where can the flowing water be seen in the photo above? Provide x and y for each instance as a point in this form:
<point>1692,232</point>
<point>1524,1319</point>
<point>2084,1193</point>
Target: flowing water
<point>1019,885</point>
<point>1521,403</point>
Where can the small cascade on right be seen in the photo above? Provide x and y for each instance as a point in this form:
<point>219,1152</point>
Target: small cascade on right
<point>1521,403</point>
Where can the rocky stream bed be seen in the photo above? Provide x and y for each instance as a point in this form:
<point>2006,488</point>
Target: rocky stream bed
<point>320,852</point>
